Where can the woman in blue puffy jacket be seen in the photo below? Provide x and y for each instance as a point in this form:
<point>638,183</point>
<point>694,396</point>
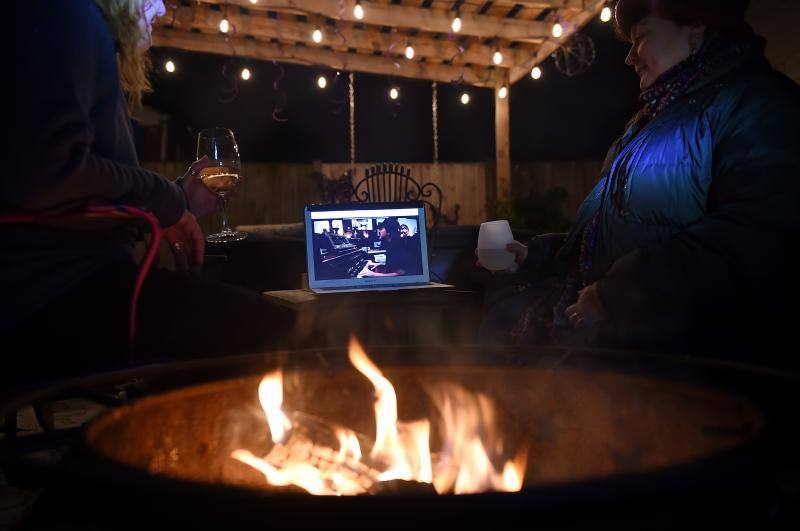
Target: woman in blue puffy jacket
<point>687,243</point>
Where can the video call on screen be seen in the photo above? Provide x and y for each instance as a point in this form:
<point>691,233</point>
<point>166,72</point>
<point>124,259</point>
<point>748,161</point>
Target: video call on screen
<point>366,247</point>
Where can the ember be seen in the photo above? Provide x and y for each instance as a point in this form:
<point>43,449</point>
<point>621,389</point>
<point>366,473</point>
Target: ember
<point>302,455</point>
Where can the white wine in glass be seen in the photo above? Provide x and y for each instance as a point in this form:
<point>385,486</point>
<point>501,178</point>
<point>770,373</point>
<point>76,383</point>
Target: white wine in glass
<point>221,176</point>
<point>221,180</point>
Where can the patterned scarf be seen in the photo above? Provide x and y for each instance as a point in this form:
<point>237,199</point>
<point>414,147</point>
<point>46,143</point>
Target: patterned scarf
<point>717,51</point>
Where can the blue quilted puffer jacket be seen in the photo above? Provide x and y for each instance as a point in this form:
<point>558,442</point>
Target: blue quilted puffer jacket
<point>700,216</point>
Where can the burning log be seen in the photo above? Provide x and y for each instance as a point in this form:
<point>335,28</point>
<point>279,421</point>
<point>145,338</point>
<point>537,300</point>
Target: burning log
<point>400,457</point>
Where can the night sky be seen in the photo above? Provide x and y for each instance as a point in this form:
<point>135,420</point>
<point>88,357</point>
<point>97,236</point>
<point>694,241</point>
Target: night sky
<point>555,118</point>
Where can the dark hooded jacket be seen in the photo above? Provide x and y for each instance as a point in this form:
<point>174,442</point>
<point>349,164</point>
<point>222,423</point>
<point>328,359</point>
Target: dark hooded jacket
<point>71,146</point>
<point>700,218</point>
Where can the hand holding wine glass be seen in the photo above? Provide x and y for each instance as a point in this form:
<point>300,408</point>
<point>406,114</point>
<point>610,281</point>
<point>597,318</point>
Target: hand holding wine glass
<point>201,201</point>
<point>221,175</point>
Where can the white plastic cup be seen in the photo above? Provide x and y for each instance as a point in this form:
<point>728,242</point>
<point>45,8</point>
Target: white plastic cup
<point>493,238</point>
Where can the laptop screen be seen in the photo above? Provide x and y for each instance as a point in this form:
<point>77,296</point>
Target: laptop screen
<point>366,244</point>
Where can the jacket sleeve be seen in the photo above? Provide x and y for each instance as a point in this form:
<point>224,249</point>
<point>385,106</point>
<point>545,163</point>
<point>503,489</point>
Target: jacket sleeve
<point>735,259</point>
<point>63,58</point>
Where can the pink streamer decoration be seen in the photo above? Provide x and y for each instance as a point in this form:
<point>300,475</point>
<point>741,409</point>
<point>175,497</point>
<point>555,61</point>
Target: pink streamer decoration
<point>281,94</point>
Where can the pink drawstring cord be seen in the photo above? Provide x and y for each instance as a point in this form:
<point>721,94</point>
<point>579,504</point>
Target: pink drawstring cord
<point>113,212</point>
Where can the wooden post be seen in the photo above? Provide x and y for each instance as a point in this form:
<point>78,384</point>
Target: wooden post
<point>502,141</point>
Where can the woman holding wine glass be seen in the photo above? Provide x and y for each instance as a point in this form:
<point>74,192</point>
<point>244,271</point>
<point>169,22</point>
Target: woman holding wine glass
<point>66,287</point>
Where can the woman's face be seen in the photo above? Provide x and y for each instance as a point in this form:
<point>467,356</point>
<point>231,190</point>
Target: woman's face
<point>151,10</point>
<point>658,45</point>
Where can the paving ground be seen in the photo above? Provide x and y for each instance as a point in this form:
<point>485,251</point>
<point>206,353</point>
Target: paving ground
<point>14,500</point>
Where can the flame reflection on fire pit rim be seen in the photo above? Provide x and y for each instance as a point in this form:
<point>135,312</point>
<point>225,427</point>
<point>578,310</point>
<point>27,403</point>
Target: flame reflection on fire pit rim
<point>401,450</point>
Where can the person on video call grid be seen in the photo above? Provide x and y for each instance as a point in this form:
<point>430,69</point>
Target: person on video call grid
<point>396,253</point>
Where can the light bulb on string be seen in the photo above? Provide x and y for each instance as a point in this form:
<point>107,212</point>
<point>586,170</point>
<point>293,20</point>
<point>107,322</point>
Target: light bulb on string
<point>558,30</point>
<point>464,98</point>
<point>316,36</point>
<point>394,93</point>
<point>409,51</point>
<point>322,82</point>
<point>536,73</point>
<point>497,58</point>
<point>245,73</point>
<point>456,24</point>
<point>358,11</point>
<point>169,66</point>
<point>502,92</point>
<point>605,14</point>
<point>224,25</point>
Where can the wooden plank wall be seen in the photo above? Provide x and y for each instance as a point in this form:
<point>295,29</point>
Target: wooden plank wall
<point>270,193</point>
<point>461,183</point>
<point>578,178</point>
<point>276,193</point>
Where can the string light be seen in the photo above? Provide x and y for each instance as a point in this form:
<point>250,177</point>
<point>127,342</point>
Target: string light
<point>558,30</point>
<point>503,92</point>
<point>317,36</point>
<point>358,11</point>
<point>254,1</point>
<point>536,73</point>
<point>322,82</point>
<point>245,73</point>
<point>456,24</point>
<point>224,25</point>
<point>169,66</point>
<point>464,98</point>
<point>394,93</point>
<point>497,58</point>
<point>605,14</point>
<point>409,51</point>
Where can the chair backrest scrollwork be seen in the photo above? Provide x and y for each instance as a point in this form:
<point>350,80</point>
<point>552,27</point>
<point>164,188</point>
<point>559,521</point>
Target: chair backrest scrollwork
<point>392,183</point>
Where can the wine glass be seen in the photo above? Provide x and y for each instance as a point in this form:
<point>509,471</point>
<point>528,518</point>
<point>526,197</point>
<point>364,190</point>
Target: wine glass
<point>221,175</point>
<point>492,240</point>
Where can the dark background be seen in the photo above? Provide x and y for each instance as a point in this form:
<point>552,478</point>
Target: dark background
<point>555,118</point>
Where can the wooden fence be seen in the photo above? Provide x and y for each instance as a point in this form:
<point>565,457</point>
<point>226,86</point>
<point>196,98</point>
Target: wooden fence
<point>277,193</point>
<point>578,178</point>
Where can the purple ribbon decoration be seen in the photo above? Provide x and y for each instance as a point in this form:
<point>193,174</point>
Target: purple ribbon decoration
<point>281,94</point>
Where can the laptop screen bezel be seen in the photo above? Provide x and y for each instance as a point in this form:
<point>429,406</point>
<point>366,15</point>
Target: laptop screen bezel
<point>366,282</point>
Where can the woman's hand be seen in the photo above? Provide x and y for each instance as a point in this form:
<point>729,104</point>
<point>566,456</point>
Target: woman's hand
<point>588,310</point>
<point>202,201</point>
<point>520,252</point>
<point>186,240</point>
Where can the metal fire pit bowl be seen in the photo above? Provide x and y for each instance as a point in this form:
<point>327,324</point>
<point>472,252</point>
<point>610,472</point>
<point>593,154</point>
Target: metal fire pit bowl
<point>611,437</point>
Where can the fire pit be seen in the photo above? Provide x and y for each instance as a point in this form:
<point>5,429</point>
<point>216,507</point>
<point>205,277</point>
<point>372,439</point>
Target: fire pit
<point>429,437</point>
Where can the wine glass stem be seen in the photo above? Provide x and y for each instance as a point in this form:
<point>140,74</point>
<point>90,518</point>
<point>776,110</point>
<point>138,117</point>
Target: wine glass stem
<point>223,203</point>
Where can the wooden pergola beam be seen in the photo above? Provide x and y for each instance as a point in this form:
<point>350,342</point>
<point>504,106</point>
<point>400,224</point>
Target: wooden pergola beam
<point>305,55</point>
<point>553,4</point>
<point>502,143</point>
<point>442,50</point>
<point>432,20</point>
<point>551,45</point>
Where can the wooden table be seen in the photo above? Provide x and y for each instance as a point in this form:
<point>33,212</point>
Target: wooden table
<point>411,316</point>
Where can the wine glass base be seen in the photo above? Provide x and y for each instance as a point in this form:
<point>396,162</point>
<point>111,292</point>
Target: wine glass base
<point>226,237</point>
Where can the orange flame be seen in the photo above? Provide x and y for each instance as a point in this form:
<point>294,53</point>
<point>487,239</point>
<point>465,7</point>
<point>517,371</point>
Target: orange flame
<point>270,394</point>
<point>401,449</point>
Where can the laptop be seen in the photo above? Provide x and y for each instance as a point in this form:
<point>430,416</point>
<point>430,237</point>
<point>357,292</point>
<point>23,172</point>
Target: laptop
<point>367,247</point>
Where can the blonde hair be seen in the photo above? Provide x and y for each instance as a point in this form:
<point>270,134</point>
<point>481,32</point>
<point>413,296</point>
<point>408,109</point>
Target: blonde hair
<point>126,20</point>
